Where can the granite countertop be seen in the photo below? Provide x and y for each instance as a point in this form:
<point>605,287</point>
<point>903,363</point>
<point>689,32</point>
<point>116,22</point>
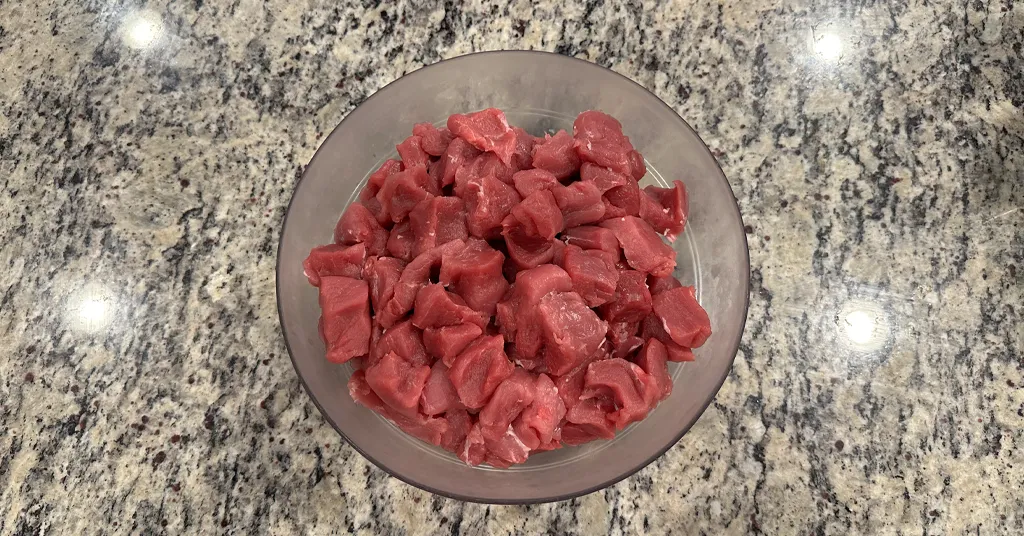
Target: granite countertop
<point>148,151</point>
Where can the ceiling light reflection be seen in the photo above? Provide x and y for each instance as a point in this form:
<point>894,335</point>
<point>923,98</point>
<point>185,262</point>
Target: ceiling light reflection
<point>142,29</point>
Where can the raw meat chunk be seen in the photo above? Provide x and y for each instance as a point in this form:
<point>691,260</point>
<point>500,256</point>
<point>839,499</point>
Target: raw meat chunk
<point>653,360</point>
<point>539,215</point>
<point>402,241</point>
<point>473,451</point>
<point>632,300</point>
<point>486,130</point>
<point>479,369</point>
<point>459,152</point>
<point>571,330</point>
<point>533,180</point>
<point>516,315</point>
<point>623,337</point>
<point>397,382</point>
<point>334,259</point>
<point>634,391</point>
<point>379,177</point>
<point>412,153</point>
<point>345,309</point>
<point>484,165</point>
<point>557,155</point>
<point>537,425</point>
<point>665,209</point>
<point>523,156</point>
<point>488,201</point>
<point>459,423</point>
<point>678,353</point>
<point>599,140</point>
<point>580,203</point>
<point>683,318</point>
<point>446,342</point>
<point>661,284</point>
<point>603,178</point>
<point>439,394</point>
<point>524,248</point>
<point>421,427</point>
<point>594,237</point>
<point>382,273</point>
<point>435,307</point>
<point>433,140</point>
<point>593,275</point>
<point>404,340</point>
<point>415,276</point>
<point>436,221</point>
<point>643,247</point>
<point>475,273</point>
<point>403,190</point>
<point>358,226</point>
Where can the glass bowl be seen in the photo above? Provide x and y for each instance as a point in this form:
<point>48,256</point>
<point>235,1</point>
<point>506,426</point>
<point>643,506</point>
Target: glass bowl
<point>539,92</point>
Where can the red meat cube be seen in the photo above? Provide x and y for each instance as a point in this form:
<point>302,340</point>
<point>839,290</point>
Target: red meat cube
<point>665,209</point>
<point>533,180</point>
<point>603,178</point>
<point>509,400</point>
<point>419,426</point>
<point>479,369</point>
<point>412,153</point>
<point>475,274</point>
<point>632,300</point>
<point>398,383</point>
<point>539,215</point>
<point>404,340</point>
<point>401,241</point>
<point>446,342</point>
<point>653,359</point>
<point>523,156</point>
<point>436,221</point>
<point>458,153</point>
<point>484,165</point>
<point>599,140</point>
<point>403,190</point>
<point>661,284</point>
<point>459,424</point>
<point>516,316</point>
<point>433,140</point>
<point>623,337</point>
<point>572,331</point>
<point>593,275</point>
<point>580,203</point>
<point>678,353</point>
<point>334,259</point>
<point>379,177</point>
<point>684,319</point>
<point>486,130</point>
<point>436,307</point>
<point>633,390</point>
<point>524,248</point>
<point>345,309</point>
<point>439,394</point>
<point>382,273</point>
<point>624,200</point>
<point>488,201</point>
<point>358,226</point>
<point>594,237</point>
<point>414,277</point>
<point>643,248</point>
<point>557,155</point>
<point>537,425</point>
<point>588,419</point>
<point>473,451</point>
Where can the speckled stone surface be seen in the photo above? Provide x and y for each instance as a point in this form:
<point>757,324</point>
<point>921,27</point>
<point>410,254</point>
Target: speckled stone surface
<point>148,151</point>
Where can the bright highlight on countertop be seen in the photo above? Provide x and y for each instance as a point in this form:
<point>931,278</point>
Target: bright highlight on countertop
<point>828,46</point>
<point>142,29</point>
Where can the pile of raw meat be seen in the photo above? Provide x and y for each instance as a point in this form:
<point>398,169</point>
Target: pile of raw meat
<point>505,294</point>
